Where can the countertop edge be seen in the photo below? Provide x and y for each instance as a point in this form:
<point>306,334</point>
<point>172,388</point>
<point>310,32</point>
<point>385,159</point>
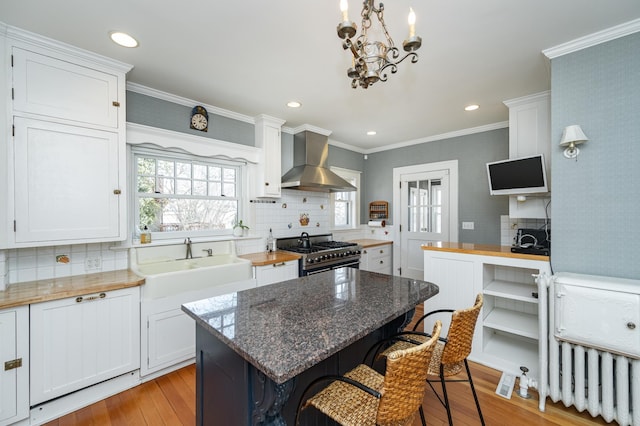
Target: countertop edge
<point>482,250</point>
<point>269,258</point>
<point>26,293</point>
<point>371,242</point>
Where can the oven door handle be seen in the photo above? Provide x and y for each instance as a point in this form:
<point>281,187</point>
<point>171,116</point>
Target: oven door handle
<point>318,271</point>
<point>347,264</point>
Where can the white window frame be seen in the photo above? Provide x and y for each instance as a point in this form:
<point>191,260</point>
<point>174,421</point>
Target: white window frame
<point>348,175</point>
<point>171,155</point>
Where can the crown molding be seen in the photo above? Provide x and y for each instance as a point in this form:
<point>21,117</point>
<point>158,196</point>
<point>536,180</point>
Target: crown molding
<point>19,36</point>
<point>434,138</point>
<point>528,99</point>
<point>154,93</point>
<point>590,40</point>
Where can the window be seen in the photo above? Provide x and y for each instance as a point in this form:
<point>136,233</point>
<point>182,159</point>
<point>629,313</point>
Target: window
<point>345,205</point>
<point>185,194</point>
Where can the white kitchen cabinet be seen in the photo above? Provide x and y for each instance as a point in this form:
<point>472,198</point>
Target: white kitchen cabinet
<point>168,336</point>
<point>66,164</point>
<point>14,364</point>
<point>511,330</point>
<point>80,341</point>
<point>377,259</point>
<point>530,134</point>
<point>68,183</point>
<point>276,272</point>
<point>269,168</point>
<point>56,88</point>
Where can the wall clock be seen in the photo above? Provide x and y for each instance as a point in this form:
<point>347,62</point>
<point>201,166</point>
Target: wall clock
<point>199,119</point>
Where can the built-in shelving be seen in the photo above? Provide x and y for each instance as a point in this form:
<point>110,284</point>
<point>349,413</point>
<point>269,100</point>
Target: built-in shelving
<point>519,323</point>
<point>512,290</point>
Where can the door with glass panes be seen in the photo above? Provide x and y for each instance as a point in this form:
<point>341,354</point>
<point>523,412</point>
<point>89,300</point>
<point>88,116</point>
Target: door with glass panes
<point>424,201</point>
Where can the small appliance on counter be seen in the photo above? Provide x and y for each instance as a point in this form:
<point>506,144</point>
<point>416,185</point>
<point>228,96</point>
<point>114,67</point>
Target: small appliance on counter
<point>532,241</point>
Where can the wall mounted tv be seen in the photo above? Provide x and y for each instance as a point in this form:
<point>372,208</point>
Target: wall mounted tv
<point>526,175</point>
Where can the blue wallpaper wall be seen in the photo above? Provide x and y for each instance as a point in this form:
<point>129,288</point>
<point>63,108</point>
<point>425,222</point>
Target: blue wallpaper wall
<point>596,200</point>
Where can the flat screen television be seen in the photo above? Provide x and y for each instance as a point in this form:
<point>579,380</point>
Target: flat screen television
<point>525,175</point>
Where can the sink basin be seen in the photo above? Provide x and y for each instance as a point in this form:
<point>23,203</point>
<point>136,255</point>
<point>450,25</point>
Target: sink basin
<point>166,273</point>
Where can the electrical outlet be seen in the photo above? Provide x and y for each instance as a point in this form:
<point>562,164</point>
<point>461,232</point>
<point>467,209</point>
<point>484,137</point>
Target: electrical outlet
<point>92,263</point>
<point>468,225</point>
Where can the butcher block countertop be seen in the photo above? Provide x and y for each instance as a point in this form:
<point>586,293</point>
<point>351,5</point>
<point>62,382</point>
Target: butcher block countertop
<point>370,242</point>
<point>480,249</point>
<point>59,288</point>
<point>270,258</point>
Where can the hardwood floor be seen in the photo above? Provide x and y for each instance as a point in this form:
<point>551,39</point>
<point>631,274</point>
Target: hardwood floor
<point>170,400</point>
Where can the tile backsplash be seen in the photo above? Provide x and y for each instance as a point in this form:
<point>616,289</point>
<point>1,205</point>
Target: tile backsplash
<point>40,263</point>
<point>283,217</point>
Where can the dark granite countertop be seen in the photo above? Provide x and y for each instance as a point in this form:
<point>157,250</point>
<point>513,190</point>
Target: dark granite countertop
<point>285,328</point>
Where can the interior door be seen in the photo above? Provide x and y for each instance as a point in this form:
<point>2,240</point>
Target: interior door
<point>424,216</point>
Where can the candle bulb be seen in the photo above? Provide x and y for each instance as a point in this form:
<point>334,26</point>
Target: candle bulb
<point>344,8</point>
<point>412,23</point>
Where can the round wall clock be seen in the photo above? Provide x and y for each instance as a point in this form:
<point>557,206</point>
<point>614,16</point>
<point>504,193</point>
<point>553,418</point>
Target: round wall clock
<point>199,119</point>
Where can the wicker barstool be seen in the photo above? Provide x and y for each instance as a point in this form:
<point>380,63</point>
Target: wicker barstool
<point>365,397</point>
<point>450,355</point>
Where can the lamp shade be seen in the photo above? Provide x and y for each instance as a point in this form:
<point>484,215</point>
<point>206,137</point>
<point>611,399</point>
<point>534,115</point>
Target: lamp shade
<point>573,134</point>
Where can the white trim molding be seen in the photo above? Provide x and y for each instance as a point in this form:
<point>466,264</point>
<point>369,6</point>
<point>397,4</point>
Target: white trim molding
<point>138,134</point>
<point>603,36</point>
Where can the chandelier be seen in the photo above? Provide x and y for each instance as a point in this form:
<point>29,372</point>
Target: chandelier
<point>371,58</point>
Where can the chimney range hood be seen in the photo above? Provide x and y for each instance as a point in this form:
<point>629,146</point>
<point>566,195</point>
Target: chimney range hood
<point>310,152</point>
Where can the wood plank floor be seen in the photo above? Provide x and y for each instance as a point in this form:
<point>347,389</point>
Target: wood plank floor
<point>170,400</point>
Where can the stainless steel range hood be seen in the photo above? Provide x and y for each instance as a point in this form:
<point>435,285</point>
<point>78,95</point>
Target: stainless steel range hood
<point>310,152</point>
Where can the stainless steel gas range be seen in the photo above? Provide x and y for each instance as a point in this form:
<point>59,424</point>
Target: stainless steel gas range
<point>320,253</point>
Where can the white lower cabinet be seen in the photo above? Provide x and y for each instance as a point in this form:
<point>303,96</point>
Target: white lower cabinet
<point>168,338</point>
<point>276,272</point>
<point>14,365</point>
<point>80,341</point>
<point>512,328</point>
<point>377,259</point>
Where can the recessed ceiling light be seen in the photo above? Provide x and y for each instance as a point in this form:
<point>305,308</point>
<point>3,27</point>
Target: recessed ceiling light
<point>371,133</point>
<point>123,39</point>
<point>294,104</point>
<point>471,107</point>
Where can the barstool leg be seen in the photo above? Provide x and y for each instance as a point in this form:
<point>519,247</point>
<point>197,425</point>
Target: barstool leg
<point>444,394</point>
<point>473,390</point>
<point>424,422</point>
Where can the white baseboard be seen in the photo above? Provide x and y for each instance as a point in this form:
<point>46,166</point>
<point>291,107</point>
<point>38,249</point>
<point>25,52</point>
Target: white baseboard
<point>74,401</point>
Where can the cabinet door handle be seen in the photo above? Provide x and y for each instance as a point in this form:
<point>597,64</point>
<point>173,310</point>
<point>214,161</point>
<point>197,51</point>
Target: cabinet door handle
<point>115,103</point>
<point>80,299</point>
<point>14,363</point>
<point>278,264</point>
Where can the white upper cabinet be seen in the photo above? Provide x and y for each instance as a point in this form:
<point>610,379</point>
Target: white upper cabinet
<point>51,87</point>
<point>269,170</point>
<point>66,156</point>
<point>67,183</point>
<point>530,134</point>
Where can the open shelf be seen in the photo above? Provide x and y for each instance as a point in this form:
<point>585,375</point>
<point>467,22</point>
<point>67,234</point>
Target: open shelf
<point>508,353</point>
<point>519,323</point>
<point>512,290</point>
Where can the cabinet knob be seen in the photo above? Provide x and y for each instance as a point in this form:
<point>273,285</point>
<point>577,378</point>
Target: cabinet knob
<point>266,184</point>
<point>381,262</point>
<point>631,326</point>
<point>115,103</point>
<point>364,251</point>
<point>381,251</point>
<point>117,191</point>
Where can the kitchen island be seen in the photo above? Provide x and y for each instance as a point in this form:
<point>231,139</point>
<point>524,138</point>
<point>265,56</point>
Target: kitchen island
<point>256,350</point>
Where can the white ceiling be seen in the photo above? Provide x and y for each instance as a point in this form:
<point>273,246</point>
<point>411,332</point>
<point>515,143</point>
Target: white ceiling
<point>251,57</point>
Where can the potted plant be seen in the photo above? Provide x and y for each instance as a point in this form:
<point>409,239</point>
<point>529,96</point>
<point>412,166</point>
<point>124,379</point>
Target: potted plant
<point>239,228</point>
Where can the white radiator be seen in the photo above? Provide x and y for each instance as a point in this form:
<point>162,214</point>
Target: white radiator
<point>594,345</point>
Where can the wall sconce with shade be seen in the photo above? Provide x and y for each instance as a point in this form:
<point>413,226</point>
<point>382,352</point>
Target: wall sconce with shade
<point>572,136</point>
